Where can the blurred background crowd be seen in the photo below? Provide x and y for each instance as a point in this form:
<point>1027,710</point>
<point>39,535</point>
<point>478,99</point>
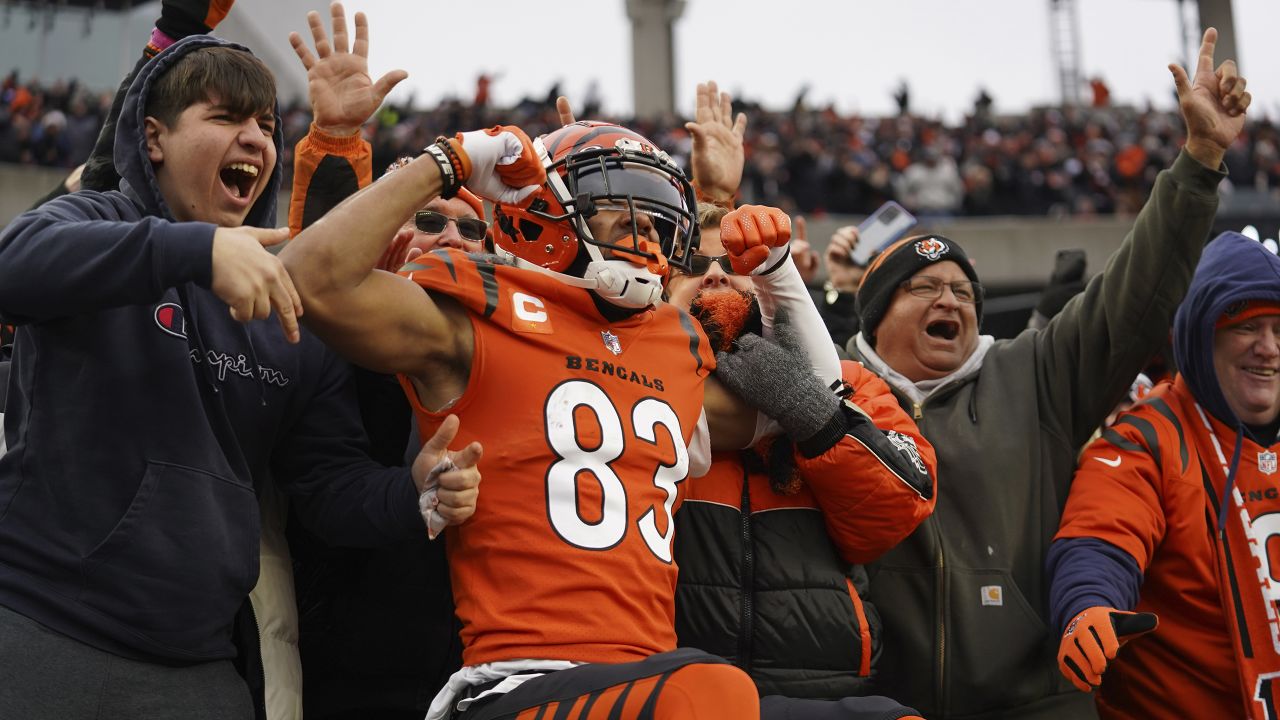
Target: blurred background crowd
<point>1082,161</point>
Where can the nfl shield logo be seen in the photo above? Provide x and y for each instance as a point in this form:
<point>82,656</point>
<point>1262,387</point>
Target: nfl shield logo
<point>1267,462</point>
<point>611,342</point>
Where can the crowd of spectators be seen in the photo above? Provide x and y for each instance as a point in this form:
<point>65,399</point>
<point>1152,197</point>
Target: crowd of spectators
<point>1050,161</point>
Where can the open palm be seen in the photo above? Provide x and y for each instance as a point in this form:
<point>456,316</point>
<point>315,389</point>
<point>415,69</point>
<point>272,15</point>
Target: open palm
<point>342,94</point>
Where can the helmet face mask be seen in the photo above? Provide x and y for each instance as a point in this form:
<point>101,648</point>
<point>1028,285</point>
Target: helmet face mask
<point>594,168</point>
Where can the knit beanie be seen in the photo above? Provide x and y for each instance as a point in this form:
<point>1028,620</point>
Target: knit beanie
<point>897,263</point>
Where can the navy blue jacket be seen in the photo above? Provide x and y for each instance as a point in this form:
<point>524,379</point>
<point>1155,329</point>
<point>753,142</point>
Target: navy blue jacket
<point>141,418</point>
<point>1087,572</point>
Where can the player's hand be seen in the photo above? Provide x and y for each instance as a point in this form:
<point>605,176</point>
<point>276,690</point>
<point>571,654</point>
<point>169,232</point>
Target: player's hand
<point>1092,639</point>
<point>180,18</point>
<point>342,94</point>
<point>1213,103</point>
<point>503,164</point>
<point>802,253</point>
<point>447,480</point>
<point>756,237</point>
<point>843,273</point>
<point>252,281</point>
<point>718,156</point>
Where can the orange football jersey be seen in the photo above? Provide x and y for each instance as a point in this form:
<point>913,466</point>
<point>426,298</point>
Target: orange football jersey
<point>586,425</point>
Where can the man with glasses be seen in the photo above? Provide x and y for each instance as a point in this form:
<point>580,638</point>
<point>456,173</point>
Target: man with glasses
<point>454,223</point>
<point>964,598</point>
<point>773,537</point>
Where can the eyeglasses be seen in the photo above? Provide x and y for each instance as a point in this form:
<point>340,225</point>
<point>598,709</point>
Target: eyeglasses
<point>926,286</point>
<point>700,264</point>
<point>434,223</point>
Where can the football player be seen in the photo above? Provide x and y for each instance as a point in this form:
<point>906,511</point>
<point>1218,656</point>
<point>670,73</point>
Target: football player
<point>589,392</point>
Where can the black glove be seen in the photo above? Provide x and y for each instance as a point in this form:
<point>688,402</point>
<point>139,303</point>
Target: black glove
<point>775,378</point>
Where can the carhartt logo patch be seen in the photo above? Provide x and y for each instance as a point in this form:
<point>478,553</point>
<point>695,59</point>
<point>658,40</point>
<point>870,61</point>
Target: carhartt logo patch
<point>992,595</point>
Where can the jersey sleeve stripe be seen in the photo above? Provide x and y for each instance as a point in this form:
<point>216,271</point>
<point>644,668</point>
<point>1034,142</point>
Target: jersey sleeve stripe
<point>1148,431</point>
<point>489,277</point>
<point>686,322</point>
<point>1160,406</point>
<point>1120,441</point>
<point>448,263</point>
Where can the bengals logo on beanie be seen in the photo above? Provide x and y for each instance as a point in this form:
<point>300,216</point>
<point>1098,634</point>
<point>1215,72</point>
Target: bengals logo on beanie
<point>931,248</point>
<point>897,263</point>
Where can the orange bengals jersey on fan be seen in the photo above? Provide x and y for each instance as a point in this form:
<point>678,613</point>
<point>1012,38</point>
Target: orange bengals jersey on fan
<point>586,426</point>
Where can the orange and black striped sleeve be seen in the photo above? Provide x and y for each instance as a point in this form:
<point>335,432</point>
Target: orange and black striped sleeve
<point>327,169</point>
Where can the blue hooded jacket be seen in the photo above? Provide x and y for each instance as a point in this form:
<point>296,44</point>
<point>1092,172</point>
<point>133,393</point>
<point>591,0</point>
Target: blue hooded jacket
<point>142,419</point>
<point>1088,572</point>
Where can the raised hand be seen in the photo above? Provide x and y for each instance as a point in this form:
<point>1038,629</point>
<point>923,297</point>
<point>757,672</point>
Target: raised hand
<point>448,481</point>
<point>718,157</point>
<point>756,238</point>
<point>802,253</point>
<point>342,94</point>
<point>252,281</point>
<point>502,164</point>
<point>565,111</point>
<point>841,270</point>
<point>1213,103</point>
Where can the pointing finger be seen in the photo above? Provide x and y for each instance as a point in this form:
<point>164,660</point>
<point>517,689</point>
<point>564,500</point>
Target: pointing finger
<point>1205,63</point>
<point>565,111</point>
<point>468,456</point>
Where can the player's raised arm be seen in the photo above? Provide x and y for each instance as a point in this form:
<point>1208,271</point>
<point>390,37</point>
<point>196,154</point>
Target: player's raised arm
<point>374,318</point>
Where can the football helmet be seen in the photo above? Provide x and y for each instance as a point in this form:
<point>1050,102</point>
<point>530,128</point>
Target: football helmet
<point>595,167</point>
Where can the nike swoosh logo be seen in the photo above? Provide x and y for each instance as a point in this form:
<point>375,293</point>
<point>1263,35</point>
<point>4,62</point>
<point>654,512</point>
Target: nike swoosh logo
<point>1112,463</point>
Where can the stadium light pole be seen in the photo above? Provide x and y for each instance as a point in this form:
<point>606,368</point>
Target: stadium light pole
<point>653,55</point>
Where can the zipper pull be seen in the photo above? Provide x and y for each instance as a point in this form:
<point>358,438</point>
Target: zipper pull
<point>915,411</point>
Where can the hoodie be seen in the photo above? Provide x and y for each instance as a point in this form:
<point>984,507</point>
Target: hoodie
<point>142,421</point>
<point>1172,511</point>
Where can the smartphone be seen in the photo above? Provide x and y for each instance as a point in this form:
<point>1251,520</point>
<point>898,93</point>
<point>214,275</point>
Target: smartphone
<point>888,223</point>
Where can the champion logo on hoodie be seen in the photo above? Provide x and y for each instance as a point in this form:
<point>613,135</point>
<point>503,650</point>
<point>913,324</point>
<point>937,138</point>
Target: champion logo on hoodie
<point>171,320</point>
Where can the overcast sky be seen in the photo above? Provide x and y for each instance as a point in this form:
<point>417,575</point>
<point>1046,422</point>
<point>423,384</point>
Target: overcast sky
<point>852,53</point>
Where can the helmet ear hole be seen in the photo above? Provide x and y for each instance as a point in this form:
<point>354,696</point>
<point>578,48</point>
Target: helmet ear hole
<point>530,230</point>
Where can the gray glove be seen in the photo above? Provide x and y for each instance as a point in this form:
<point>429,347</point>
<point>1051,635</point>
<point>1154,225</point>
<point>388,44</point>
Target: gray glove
<point>775,378</point>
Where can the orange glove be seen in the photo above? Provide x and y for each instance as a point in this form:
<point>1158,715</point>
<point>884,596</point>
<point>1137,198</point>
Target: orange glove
<point>756,238</point>
<point>1092,639</point>
<point>500,163</point>
<point>180,18</point>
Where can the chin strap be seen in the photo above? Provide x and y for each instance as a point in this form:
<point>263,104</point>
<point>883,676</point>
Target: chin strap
<point>617,281</point>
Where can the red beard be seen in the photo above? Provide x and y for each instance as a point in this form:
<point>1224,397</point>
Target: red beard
<point>723,314</point>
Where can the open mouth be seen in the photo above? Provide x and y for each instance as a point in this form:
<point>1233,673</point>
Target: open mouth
<point>1262,372</point>
<point>943,329</point>
<point>239,178</point>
